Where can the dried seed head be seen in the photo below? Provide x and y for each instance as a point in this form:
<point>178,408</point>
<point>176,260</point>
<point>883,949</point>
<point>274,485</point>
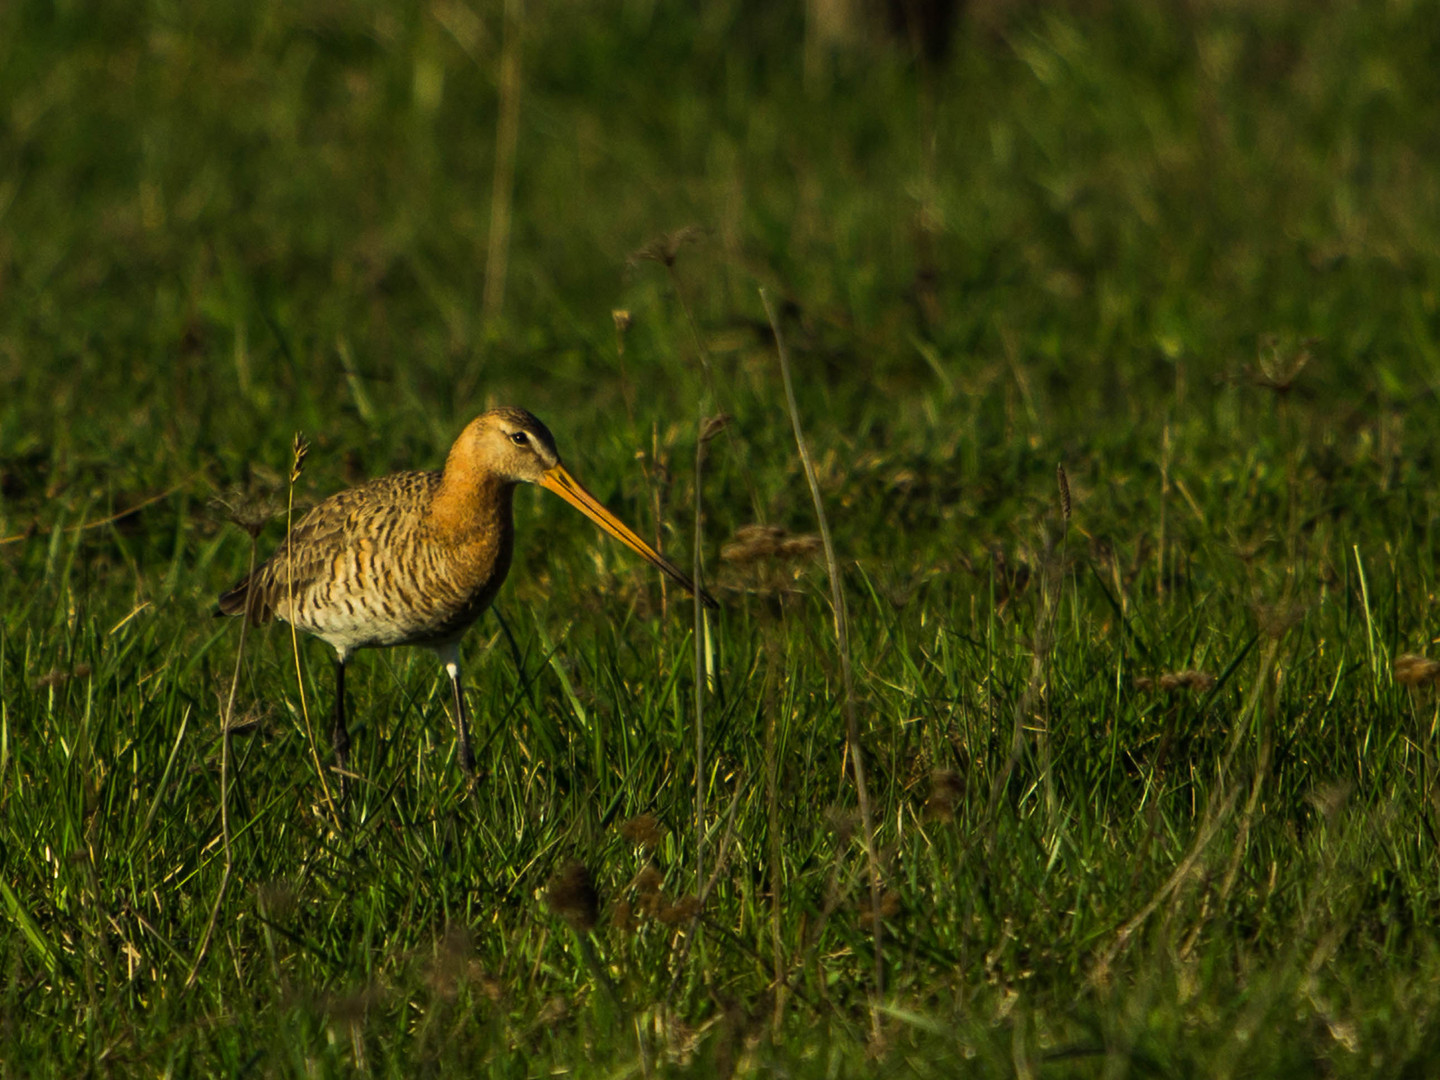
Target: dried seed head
<point>58,677</point>
<point>947,788</point>
<point>648,885</point>
<point>843,822</point>
<point>1171,681</point>
<point>623,917</point>
<point>757,543</point>
<point>889,907</point>
<point>453,963</point>
<point>300,449</point>
<point>623,321</point>
<point>665,249</point>
<point>1278,366</point>
<point>1064,483</point>
<point>276,899</point>
<point>247,722</point>
<point>1199,681</point>
<point>643,830</point>
<point>714,425</point>
<point>1414,670</point>
<point>350,1009</point>
<point>250,508</point>
<point>571,894</point>
<point>683,910</point>
<point>1330,799</point>
<point>1275,620</point>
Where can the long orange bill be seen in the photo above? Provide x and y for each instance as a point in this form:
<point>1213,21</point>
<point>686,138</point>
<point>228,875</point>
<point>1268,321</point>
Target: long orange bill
<point>558,480</point>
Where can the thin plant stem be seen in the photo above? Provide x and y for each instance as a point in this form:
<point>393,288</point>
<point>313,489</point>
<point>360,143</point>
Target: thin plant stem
<point>772,807</point>
<point>300,449</point>
<point>704,887</point>
<point>225,720</point>
<point>842,639</point>
<point>699,666</point>
<point>708,429</point>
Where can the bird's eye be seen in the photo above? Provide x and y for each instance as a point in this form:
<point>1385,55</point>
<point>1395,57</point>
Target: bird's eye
<point>519,438</point>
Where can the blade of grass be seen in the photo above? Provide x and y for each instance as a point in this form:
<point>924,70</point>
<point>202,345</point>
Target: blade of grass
<point>28,927</point>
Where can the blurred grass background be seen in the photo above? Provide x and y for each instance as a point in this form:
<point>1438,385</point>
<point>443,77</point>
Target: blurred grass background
<point>1188,252</point>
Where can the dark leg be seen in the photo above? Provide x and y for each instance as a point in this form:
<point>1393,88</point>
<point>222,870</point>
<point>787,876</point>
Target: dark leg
<point>339,736</point>
<point>450,657</point>
<point>462,727</point>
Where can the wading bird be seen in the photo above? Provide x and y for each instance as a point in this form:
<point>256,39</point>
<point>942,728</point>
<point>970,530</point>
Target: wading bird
<point>416,557</point>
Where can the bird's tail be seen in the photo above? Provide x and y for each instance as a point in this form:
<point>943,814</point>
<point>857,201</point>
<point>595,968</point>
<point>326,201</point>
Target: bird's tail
<point>242,599</point>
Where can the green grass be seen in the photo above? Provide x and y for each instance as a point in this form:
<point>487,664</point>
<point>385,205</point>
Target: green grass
<point>1101,237</point>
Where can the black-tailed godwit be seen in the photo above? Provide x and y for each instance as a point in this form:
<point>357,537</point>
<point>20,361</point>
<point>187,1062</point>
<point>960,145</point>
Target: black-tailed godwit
<point>416,557</point>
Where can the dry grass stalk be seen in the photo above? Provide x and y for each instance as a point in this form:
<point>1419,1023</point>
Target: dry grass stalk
<point>775,871</point>
<point>692,907</point>
<point>33,528</point>
<point>299,451</point>
<point>842,639</point>
<point>250,515</point>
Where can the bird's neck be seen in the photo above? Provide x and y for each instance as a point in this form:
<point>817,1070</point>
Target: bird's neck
<point>471,505</point>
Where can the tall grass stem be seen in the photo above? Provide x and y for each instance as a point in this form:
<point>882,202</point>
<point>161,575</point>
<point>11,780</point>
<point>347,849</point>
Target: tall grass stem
<point>842,640</point>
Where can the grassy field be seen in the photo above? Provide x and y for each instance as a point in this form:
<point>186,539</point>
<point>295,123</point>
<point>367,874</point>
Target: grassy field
<point>1151,769</point>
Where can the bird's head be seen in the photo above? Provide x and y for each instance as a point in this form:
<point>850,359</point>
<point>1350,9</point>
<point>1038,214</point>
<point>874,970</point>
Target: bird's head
<point>516,447</point>
<point>506,443</point>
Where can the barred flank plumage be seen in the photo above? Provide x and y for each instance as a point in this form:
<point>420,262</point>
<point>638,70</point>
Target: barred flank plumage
<point>371,566</point>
